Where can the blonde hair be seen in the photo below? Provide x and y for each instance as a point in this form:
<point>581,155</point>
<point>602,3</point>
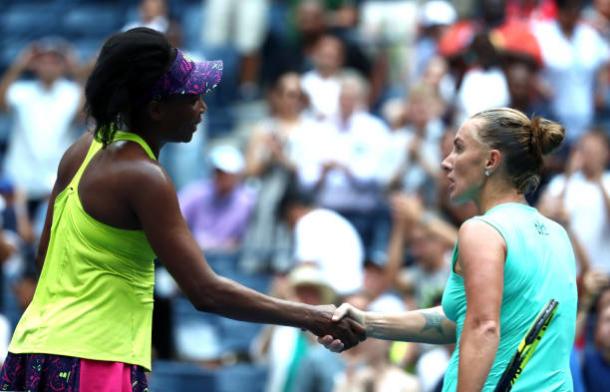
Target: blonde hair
<point>522,140</point>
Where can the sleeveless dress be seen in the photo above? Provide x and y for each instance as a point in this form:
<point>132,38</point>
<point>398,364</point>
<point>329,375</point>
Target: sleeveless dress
<point>89,325</point>
<point>540,265</point>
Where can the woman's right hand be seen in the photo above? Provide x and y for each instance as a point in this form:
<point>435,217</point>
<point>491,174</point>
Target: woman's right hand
<point>336,334</point>
<point>345,311</point>
<point>349,311</point>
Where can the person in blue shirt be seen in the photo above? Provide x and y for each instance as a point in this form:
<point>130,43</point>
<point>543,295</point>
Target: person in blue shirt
<point>509,261</point>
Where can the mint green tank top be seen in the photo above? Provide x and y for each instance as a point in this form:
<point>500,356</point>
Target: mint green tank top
<point>94,299</point>
<point>539,265</point>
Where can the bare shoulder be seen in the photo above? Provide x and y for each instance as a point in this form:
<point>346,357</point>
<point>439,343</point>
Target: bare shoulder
<point>479,242</point>
<point>72,159</point>
<point>478,231</point>
<point>143,178</point>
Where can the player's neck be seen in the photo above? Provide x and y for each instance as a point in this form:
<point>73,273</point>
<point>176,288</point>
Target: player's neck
<point>491,198</point>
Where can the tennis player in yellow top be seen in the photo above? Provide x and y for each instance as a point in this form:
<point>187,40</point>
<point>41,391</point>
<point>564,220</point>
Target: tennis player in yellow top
<point>112,210</point>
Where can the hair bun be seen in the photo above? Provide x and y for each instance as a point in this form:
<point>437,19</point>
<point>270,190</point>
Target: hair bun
<point>547,135</point>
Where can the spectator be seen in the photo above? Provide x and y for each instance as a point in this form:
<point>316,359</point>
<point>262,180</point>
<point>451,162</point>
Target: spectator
<point>437,77</point>
<point>296,50</point>
<point>271,160</point>
<point>484,85</point>
<point>13,270</point>
<point>521,76</point>
<point>320,368</point>
<point>284,348</point>
<point>431,367</point>
<point>431,266</point>
<point>413,153</point>
<point>325,239</point>
<point>242,25</point>
<point>434,18</point>
<point>152,14</point>
<point>372,371</point>
<point>573,54</point>
<point>348,180</point>
<point>323,84</point>
<point>596,362</point>
<point>44,109</point>
<point>427,238</point>
<point>218,211</point>
<point>598,16</point>
<point>530,10</point>
<point>594,294</point>
<point>583,191</point>
<point>379,289</point>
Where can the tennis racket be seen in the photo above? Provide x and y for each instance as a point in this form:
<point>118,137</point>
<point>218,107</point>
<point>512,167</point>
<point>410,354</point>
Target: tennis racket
<point>527,347</point>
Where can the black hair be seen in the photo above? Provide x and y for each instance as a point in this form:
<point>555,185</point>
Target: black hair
<point>126,69</point>
<point>293,196</point>
<point>568,4</point>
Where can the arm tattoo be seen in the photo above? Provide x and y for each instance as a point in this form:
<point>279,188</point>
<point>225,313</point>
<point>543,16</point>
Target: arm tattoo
<point>433,322</point>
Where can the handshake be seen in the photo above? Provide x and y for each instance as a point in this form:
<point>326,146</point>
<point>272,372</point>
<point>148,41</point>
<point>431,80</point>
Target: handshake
<point>341,328</point>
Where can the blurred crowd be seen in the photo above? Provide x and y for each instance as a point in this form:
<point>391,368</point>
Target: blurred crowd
<point>316,174</point>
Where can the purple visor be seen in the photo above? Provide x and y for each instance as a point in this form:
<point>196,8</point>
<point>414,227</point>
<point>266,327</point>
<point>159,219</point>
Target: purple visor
<point>186,76</point>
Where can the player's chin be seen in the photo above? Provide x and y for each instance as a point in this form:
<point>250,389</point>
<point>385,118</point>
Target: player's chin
<point>187,135</point>
<point>458,198</point>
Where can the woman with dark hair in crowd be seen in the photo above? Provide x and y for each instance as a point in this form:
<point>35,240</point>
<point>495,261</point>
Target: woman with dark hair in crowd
<point>508,263</point>
<point>112,210</point>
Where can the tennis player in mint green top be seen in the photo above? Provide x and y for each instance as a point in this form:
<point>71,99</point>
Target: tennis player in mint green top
<point>113,209</point>
<point>539,261</point>
<point>508,263</point>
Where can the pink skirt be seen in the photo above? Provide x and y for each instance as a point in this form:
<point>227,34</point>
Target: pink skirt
<point>57,373</point>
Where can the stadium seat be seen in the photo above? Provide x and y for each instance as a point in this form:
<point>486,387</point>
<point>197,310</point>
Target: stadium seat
<point>183,377</point>
<point>191,18</point>
<point>236,336</point>
<point>28,21</point>
<point>92,20</point>
<point>242,377</point>
<point>87,48</point>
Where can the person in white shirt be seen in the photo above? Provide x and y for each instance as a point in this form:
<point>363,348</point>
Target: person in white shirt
<point>580,198</point>
<point>325,239</point>
<point>323,84</point>
<point>484,86</point>
<point>43,110</point>
<point>347,175</point>
<point>412,158</point>
<point>573,54</point>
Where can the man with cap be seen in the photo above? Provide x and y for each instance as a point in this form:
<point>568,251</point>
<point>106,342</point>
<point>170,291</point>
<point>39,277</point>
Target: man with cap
<point>284,348</point>
<point>218,210</point>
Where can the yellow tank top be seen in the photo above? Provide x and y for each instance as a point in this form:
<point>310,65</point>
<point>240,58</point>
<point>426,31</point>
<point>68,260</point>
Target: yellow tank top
<point>94,299</point>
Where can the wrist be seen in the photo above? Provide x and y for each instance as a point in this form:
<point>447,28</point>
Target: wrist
<point>308,318</point>
<point>364,320</point>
